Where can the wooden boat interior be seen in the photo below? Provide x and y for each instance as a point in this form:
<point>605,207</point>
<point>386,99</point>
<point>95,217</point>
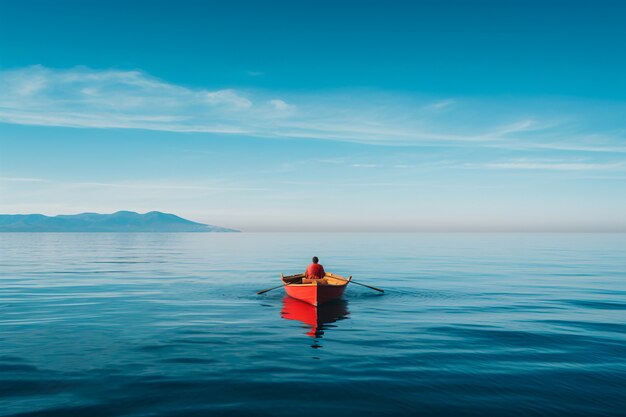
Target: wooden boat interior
<point>329,279</point>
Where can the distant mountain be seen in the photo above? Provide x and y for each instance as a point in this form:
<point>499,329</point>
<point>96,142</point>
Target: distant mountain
<point>122,221</point>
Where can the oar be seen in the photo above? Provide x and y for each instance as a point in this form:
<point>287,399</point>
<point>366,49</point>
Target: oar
<point>358,283</point>
<point>273,288</point>
<point>334,276</point>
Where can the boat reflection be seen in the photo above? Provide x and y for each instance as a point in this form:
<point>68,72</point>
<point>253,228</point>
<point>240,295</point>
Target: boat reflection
<point>317,318</point>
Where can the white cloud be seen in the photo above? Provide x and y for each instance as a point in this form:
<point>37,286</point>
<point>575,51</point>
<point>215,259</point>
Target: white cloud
<point>280,105</point>
<point>364,165</point>
<point>557,166</point>
<point>21,179</point>
<point>441,104</point>
<point>227,97</point>
<point>83,97</point>
<point>88,98</point>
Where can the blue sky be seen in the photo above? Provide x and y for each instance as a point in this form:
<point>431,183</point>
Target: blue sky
<point>318,116</point>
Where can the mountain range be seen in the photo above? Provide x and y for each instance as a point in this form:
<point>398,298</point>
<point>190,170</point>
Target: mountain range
<point>121,221</point>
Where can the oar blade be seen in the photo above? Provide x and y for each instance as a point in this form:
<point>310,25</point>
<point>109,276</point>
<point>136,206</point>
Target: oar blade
<point>369,286</point>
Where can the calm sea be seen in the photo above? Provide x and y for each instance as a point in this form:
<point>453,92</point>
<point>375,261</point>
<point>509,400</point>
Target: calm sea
<point>170,325</point>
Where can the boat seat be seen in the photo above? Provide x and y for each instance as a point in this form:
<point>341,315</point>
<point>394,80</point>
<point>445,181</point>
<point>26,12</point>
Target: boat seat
<point>320,281</point>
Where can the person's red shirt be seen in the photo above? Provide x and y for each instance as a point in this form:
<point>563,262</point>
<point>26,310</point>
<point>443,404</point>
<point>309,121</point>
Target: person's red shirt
<point>315,271</point>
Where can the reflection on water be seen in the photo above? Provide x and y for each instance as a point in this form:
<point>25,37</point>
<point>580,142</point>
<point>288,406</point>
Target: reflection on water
<point>318,318</point>
<point>151,324</point>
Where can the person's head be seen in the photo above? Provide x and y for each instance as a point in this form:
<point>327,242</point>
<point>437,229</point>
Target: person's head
<point>315,259</point>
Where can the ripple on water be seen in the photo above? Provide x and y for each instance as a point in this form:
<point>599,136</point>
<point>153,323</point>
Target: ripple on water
<point>105,325</point>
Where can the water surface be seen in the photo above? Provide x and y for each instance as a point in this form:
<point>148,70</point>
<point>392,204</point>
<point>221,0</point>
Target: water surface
<point>169,325</point>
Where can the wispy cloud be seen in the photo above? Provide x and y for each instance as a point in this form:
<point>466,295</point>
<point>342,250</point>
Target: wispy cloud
<point>280,104</point>
<point>217,186</point>
<point>82,97</point>
<point>557,166</point>
<point>441,104</point>
<point>88,98</point>
<point>21,179</point>
<point>364,165</point>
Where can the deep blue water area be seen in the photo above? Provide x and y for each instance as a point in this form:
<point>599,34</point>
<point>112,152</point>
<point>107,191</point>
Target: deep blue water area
<point>170,325</point>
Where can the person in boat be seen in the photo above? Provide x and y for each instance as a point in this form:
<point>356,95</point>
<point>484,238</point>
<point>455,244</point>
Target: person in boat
<point>315,270</point>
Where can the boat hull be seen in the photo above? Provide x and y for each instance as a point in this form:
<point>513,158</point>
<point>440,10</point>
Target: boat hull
<point>314,293</point>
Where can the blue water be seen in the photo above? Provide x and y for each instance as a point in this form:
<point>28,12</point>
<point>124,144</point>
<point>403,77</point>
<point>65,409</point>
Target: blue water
<point>170,325</point>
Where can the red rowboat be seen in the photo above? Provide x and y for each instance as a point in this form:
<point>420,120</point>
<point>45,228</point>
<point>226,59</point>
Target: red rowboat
<point>315,291</point>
